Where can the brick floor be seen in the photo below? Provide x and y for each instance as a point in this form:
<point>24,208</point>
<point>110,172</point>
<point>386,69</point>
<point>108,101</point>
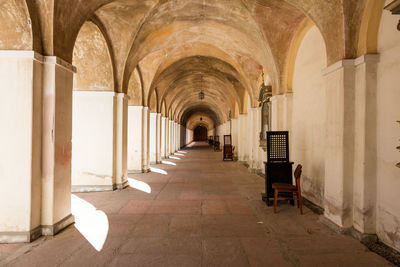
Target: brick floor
<point>200,212</point>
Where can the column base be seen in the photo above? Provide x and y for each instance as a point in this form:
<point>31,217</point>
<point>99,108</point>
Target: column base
<point>123,185</point>
<point>20,237</point>
<point>61,225</point>
<point>92,188</point>
<point>135,171</point>
<point>348,231</point>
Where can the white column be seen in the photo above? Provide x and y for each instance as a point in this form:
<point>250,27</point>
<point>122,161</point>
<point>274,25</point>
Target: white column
<point>135,139</point>
<point>339,146</point>
<point>20,142</point>
<point>158,138</point>
<point>153,137</point>
<point>145,139</point>
<point>56,145</point>
<point>121,139</point>
<point>365,143</point>
<point>93,141</point>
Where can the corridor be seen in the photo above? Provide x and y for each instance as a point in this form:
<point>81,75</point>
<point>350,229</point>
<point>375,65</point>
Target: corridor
<point>192,210</point>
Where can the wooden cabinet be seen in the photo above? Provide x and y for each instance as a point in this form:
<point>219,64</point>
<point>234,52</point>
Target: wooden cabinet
<point>276,172</point>
<point>278,168</point>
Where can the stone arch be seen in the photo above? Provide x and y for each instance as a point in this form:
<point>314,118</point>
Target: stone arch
<point>163,108</point>
<point>135,89</point>
<point>301,31</point>
<point>368,36</point>
<point>92,58</point>
<point>153,106</point>
<point>16,26</point>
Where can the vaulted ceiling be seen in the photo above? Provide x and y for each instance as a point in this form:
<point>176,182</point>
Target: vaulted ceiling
<point>173,49</point>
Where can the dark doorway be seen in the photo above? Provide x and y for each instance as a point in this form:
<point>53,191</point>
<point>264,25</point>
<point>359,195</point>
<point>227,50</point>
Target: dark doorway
<point>200,133</point>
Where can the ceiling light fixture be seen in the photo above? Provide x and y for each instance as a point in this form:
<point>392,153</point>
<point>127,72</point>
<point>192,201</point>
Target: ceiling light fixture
<point>201,94</point>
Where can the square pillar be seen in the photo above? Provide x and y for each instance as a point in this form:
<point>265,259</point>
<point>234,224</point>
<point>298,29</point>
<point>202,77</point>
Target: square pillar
<point>365,143</point>
<point>56,145</point>
<point>135,139</point>
<point>20,154</point>
<point>121,141</point>
<point>339,146</point>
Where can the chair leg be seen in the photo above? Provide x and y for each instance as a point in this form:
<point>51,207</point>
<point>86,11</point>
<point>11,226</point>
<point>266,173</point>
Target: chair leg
<point>300,201</point>
<point>275,199</point>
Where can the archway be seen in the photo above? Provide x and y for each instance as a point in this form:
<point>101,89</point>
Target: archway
<point>200,133</point>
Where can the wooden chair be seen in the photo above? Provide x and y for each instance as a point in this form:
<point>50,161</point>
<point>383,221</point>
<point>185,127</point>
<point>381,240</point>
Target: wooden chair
<point>289,191</point>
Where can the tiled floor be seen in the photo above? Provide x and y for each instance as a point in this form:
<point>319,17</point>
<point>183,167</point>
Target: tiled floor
<point>192,210</point>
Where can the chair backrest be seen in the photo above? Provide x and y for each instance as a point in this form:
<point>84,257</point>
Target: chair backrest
<point>277,146</point>
<point>297,174</point>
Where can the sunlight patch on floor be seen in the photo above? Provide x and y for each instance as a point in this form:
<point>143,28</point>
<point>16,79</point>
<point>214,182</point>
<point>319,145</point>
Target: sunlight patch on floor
<point>90,222</point>
<point>172,157</point>
<point>139,185</point>
<point>179,154</point>
<point>157,170</point>
<point>168,162</point>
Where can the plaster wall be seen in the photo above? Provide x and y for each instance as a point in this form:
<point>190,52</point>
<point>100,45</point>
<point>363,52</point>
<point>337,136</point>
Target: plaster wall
<point>243,149</point>
<point>184,140</point>
<point>257,152</point>
<point>388,132</point>
<point>189,136</point>
<point>307,143</point>
<point>153,137</point>
<point>20,170</point>
<point>235,135</point>
<point>135,138</point>
<point>93,140</point>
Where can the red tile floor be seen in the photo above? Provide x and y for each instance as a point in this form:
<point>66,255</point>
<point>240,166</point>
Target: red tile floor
<point>192,210</point>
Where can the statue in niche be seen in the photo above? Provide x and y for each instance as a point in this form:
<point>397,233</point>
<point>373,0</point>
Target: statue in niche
<point>265,104</point>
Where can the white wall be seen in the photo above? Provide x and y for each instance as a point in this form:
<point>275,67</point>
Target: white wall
<point>153,136</point>
<point>92,139</point>
<point>388,132</point>
<point>135,140</point>
<point>307,142</point>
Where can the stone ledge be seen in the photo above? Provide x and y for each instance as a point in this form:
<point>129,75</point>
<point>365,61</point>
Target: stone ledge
<point>92,188</point>
<point>20,237</point>
<point>57,227</point>
<point>125,184</point>
<point>135,171</point>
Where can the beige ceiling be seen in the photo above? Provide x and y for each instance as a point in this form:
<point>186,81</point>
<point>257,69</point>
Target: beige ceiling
<point>173,49</point>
